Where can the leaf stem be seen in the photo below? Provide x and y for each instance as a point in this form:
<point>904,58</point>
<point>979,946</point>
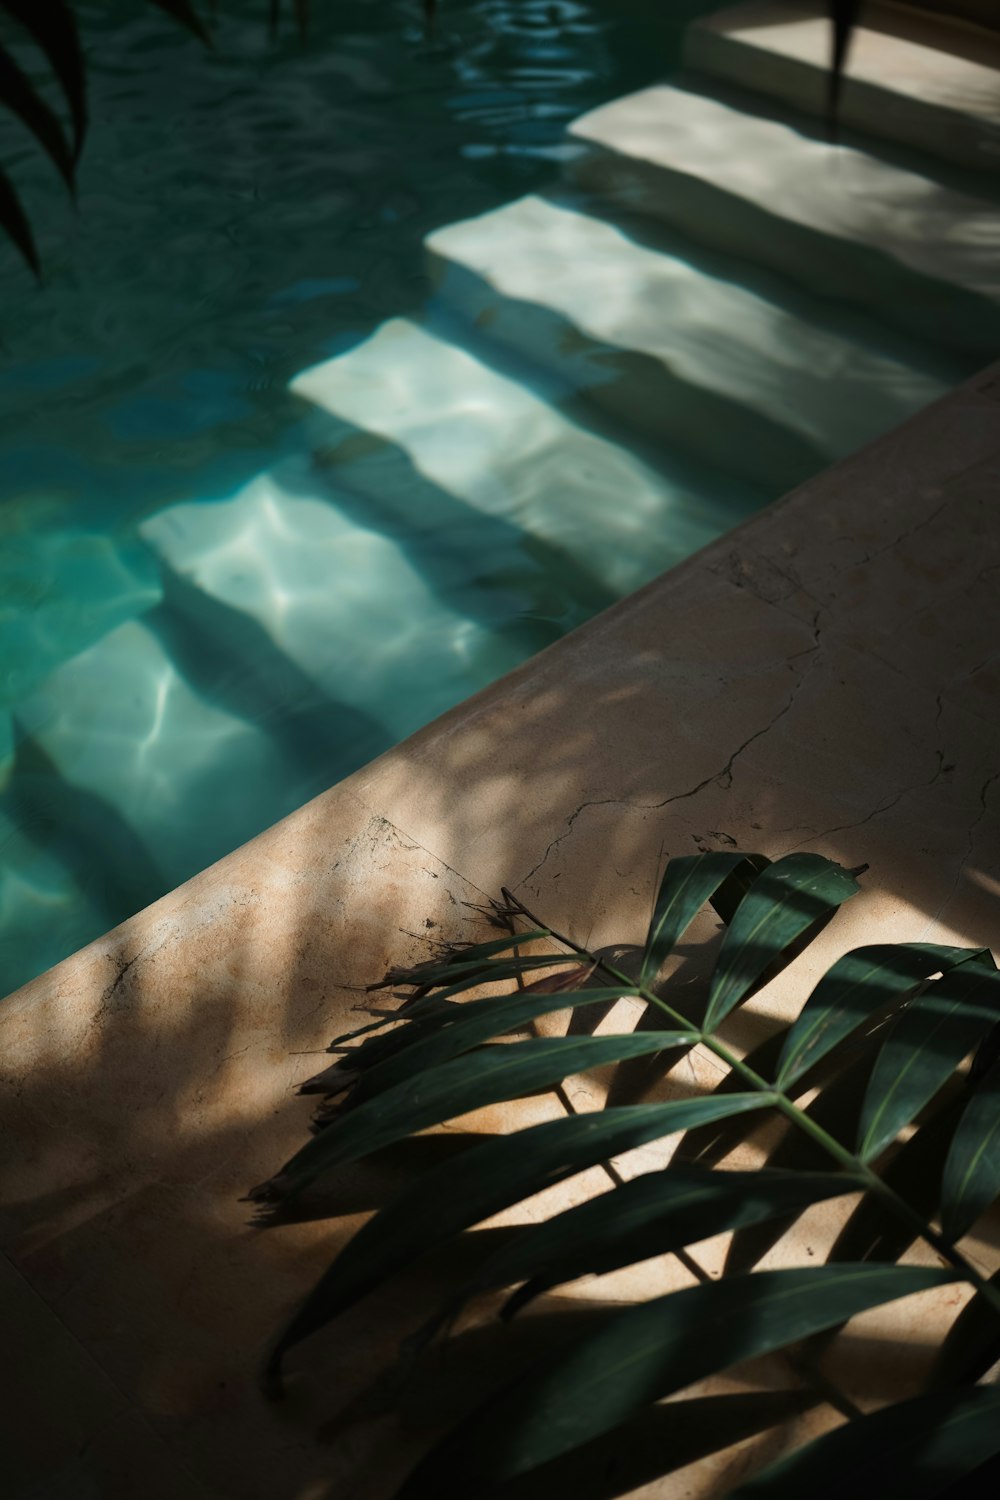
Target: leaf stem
<point>846,1159</point>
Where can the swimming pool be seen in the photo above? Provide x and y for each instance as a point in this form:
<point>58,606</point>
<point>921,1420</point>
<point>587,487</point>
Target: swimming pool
<point>274,495</point>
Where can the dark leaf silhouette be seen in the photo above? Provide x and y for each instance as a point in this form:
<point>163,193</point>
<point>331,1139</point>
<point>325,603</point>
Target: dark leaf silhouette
<point>52,27</point>
<point>23,100</point>
<point>785,901</point>
<point>972,1171</point>
<point>643,1355</point>
<point>15,223</point>
<point>973,1343</point>
<point>925,1046</point>
<point>483,1181</point>
<point>450,1089</point>
<point>859,988</point>
<point>917,1448</point>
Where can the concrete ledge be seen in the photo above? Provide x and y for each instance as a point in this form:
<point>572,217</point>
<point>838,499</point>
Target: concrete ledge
<point>827,677</point>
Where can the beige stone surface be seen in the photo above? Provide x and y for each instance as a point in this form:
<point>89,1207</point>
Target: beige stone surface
<point>819,679</point>
<point>913,78</point>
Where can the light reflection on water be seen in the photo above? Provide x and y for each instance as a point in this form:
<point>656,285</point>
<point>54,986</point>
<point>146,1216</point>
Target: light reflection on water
<point>233,568</point>
<point>242,216</point>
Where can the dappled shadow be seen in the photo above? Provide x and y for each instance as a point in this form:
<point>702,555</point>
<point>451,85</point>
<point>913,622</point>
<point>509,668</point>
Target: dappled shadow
<point>147,1083</point>
<point>148,1087</point>
<point>663,1440</point>
<point>173,1083</point>
<point>761,220</point>
<point>723,362</point>
<point>483,565</point>
<point>112,869</point>
<point>449,1383</point>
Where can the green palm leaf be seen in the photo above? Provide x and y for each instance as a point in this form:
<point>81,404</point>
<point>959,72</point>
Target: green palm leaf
<point>972,1171</point>
<point>879,1040</point>
<point>460,962</point>
<point>687,884</point>
<point>356,1061</point>
<point>651,1215</point>
<point>642,1355</point>
<point>786,901</point>
<point>928,1041</point>
<point>459,977</point>
<point>859,987</point>
<point>483,1181</point>
<point>916,1448</point>
<point>469,1026</point>
<point>873,1232</point>
<point>429,1006</point>
<point>434,1010</point>
<point>453,1088</point>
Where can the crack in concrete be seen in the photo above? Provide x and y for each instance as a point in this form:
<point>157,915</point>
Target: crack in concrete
<point>905,535</point>
<point>896,797</point>
<point>554,844</point>
<point>724,776</point>
<point>970,840</point>
<point>116,984</point>
<point>229,1057</point>
<point>939,701</point>
<point>987,661</point>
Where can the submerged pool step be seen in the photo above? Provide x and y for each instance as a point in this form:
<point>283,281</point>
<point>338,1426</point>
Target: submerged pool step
<point>835,220</point>
<point>294,630</point>
<point>504,451</point>
<point>62,587</point>
<point>318,629</point>
<point>913,78</point>
<point>288,646</point>
<point>701,362</point>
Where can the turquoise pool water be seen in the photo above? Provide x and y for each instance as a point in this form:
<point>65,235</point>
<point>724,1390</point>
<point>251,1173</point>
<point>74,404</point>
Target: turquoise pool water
<point>222,587</point>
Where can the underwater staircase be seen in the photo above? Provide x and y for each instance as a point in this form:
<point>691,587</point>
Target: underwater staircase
<point>715,304</point>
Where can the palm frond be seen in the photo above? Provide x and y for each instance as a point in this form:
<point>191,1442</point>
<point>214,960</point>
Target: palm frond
<point>15,224</point>
<point>50,25</point>
<point>184,13</point>
<point>881,1043</point>
<point>485,1180</point>
<point>917,1448</point>
<point>644,1354</point>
